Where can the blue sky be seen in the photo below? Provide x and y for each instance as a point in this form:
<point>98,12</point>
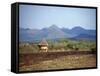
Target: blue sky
<point>37,17</point>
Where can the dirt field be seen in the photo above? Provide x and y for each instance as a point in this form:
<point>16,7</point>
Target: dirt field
<point>56,60</point>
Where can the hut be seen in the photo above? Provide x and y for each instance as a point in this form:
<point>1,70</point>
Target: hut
<point>43,45</point>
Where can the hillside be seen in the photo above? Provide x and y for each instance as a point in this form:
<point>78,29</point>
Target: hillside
<point>54,32</point>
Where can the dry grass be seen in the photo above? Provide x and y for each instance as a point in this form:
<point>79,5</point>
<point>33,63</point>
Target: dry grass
<point>61,62</point>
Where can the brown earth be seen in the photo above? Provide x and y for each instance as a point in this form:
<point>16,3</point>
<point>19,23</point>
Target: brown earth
<point>56,60</point>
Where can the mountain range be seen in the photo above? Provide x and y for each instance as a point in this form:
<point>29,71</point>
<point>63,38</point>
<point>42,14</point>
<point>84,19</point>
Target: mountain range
<point>54,32</point>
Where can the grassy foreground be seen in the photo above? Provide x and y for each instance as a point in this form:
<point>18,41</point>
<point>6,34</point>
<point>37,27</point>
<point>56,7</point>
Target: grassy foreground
<point>30,59</point>
<point>49,62</point>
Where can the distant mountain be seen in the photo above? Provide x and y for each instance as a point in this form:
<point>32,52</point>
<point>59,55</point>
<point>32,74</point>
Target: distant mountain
<point>78,30</point>
<point>74,31</point>
<point>54,32</point>
<point>85,36</point>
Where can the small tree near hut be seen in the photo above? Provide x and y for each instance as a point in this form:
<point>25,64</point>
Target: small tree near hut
<point>43,45</point>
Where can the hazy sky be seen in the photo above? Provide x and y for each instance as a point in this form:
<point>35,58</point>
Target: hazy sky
<point>32,16</point>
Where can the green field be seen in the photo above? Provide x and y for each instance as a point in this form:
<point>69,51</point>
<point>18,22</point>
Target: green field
<point>60,45</point>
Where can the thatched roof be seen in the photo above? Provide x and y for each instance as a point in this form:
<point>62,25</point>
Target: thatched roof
<point>43,42</point>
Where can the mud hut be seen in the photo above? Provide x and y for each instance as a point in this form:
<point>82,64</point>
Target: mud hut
<point>43,45</point>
